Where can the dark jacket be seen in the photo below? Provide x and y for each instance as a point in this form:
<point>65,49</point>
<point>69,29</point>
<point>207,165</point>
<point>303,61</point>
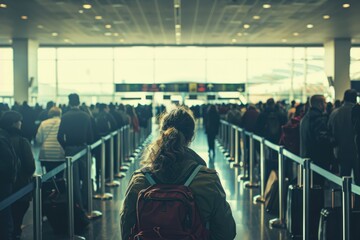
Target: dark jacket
<point>315,138</point>
<point>248,121</point>
<point>75,129</point>
<point>209,197</point>
<point>212,123</point>
<point>23,150</point>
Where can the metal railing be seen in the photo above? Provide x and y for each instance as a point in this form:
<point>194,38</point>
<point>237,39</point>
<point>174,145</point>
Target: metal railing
<point>306,168</point>
<point>123,150</point>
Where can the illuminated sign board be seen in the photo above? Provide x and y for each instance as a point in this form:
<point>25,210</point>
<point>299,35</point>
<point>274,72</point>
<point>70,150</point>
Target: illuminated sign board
<point>180,87</point>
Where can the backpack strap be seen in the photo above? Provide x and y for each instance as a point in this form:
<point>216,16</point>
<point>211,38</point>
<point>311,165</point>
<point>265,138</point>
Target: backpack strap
<point>148,176</point>
<point>192,176</point>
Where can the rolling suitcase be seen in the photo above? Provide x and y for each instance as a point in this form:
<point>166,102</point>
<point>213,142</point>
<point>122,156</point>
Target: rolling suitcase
<point>294,212</point>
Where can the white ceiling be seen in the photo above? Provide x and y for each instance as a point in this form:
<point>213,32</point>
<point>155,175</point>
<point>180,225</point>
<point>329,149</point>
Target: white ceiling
<point>203,22</point>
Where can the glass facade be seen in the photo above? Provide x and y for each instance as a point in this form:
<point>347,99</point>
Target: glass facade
<point>279,72</point>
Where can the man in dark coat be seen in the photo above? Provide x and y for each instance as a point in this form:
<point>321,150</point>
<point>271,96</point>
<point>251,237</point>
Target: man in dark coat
<point>315,140</point>
<point>75,132</point>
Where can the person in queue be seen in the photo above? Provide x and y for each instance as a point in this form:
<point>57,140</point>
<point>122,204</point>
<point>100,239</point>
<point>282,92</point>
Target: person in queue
<point>11,122</point>
<point>170,161</point>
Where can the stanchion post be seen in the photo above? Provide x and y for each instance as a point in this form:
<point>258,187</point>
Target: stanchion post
<point>37,209</point>
<point>111,182</point>
<point>237,146</point>
<point>306,199</point>
<point>120,151</point>
<point>280,222</point>
<point>103,195</point>
<point>90,213</point>
<point>260,198</point>
<point>231,157</point>
<point>251,183</point>
<point>346,207</point>
<point>70,193</point>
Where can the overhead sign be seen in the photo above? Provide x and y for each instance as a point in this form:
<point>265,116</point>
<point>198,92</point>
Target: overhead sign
<point>180,87</point>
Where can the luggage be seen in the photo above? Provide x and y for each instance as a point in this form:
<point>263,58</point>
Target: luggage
<point>55,208</point>
<point>294,213</point>
<point>330,224</point>
<point>271,194</point>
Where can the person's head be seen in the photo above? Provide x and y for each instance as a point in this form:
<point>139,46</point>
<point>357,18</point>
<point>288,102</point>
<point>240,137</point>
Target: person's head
<point>74,100</point>
<point>350,95</point>
<point>177,129</point>
<point>49,105</point>
<point>300,110</point>
<point>293,102</point>
<point>103,107</point>
<point>10,119</point>
<point>54,112</point>
<point>270,103</point>
<point>319,102</point>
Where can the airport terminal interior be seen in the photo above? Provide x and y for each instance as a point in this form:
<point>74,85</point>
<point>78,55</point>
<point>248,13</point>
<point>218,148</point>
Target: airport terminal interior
<point>142,58</point>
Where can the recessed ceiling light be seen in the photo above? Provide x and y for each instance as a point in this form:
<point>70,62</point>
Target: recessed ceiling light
<point>107,26</point>
<point>296,34</point>
<point>3,5</point>
<point>54,34</point>
<point>121,40</point>
<point>256,17</point>
<point>284,40</point>
<point>177,26</point>
<point>108,34</point>
<point>245,34</point>
<point>266,5</point>
<point>246,26</point>
<point>178,34</point>
<point>98,17</point>
<point>326,17</point>
<point>115,34</point>
<point>87,6</point>
<point>66,40</point>
<point>309,26</point>
<point>81,11</point>
<point>239,34</point>
<point>24,17</point>
<point>176,3</point>
<point>233,40</point>
<point>346,5</point>
<point>40,26</point>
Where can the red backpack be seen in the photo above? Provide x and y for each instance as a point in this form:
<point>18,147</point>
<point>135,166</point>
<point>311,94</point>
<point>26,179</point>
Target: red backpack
<point>168,211</point>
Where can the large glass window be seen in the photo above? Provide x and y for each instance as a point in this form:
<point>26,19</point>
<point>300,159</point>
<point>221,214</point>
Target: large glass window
<point>355,63</point>
<point>6,72</point>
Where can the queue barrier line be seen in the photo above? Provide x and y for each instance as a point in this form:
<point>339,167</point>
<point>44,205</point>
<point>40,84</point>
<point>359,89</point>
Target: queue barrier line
<point>293,157</point>
<point>78,155</point>
<point>107,137</point>
<point>326,174</point>
<point>16,196</point>
<point>96,144</point>
<point>257,138</point>
<point>53,172</point>
<point>355,189</point>
<point>271,145</point>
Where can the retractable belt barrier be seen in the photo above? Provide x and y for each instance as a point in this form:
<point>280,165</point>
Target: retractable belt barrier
<point>122,151</point>
<point>226,142</point>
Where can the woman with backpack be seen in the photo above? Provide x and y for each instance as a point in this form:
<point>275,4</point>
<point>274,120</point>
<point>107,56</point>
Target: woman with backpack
<point>174,195</point>
<point>11,122</point>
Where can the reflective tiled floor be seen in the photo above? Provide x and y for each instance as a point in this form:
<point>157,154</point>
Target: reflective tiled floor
<point>251,219</point>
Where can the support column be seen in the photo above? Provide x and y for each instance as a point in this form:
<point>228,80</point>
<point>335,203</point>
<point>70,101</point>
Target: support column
<point>337,64</point>
<point>25,69</point>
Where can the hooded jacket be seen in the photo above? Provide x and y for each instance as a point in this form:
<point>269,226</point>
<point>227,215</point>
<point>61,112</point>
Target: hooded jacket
<point>208,192</point>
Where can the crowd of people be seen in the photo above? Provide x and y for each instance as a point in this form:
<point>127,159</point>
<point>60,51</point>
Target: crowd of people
<point>58,131</point>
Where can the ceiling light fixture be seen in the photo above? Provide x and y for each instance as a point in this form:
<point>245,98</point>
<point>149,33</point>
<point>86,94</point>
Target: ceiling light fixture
<point>87,6</point>
<point>66,40</point>
<point>177,26</point>
<point>309,26</point>
<point>121,40</point>
<point>98,17</point>
<point>108,34</point>
<point>54,34</point>
<point>296,34</point>
<point>176,3</point>
<point>233,40</point>
<point>24,17</point>
<point>256,17</point>
<point>239,34</point>
<point>3,5</point>
<point>246,26</point>
<point>346,5</point>
<point>108,26</point>
<point>40,26</point>
<point>81,11</point>
<point>326,17</point>
<point>266,5</point>
<point>284,40</point>
<point>115,34</point>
